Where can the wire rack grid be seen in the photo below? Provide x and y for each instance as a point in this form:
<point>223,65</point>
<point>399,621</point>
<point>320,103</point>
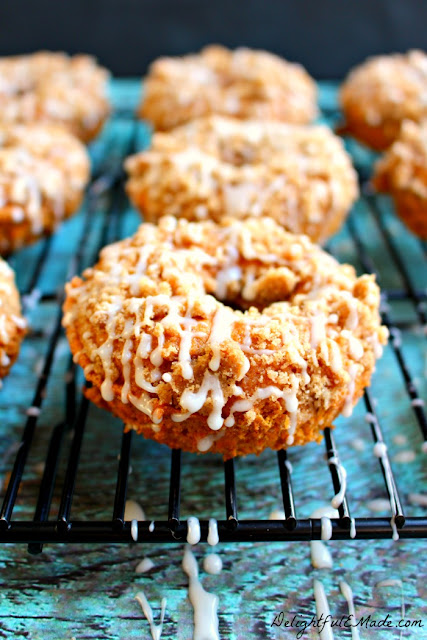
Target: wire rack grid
<point>373,240</point>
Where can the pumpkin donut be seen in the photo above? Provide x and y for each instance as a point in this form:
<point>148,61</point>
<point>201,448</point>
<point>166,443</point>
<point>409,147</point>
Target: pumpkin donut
<point>12,324</point>
<point>300,175</point>
<point>382,92</point>
<point>56,88</point>
<point>402,172</point>
<point>43,173</point>
<point>242,83</point>
<point>229,337</point>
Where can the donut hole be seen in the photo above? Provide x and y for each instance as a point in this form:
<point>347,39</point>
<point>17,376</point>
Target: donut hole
<point>254,286</point>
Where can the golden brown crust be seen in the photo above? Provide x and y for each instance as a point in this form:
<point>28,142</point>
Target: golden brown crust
<point>382,92</point>
<point>402,172</point>
<point>216,167</point>
<point>43,173</point>
<point>242,84</point>
<point>54,88</point>
<point>12,324</point>
<point>184,368</point>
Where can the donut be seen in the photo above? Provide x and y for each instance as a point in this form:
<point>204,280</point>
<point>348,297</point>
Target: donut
<point>12,324</point>
<point>213,167</point>
<point>242,83</point>
<point>229,337</point>
<point>55,88</point>
<point>402,172</point>
<point>382,92</point>
<point>43,173</point>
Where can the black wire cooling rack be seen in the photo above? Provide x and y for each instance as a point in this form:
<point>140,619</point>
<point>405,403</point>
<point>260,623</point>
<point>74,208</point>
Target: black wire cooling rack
<point>106,194</point>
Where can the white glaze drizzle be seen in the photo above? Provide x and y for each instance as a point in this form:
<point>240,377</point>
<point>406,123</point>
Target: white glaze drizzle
<point>395,533</point>
<point>193,530</point>
<point>326,528</point>
<point>317,329</point>
<point>342,473</point>
<point>194,401</point>
<point>348,404</point>
<point>205,604</point>
<point>156,630</point>
<point>417,402</point>
<point>134,530</point>
<point>213,537</point>
<point>105,351</point>
<point>288,395</point>
<point>380,451</point>
<point>348,595</point>
<point>320,554</point>
<point>222,325</point>
<point>352,528</point>
<point>212,563</point>
<point>204,444</point>
<point>404,457</point>
<point>322,608</point>
<point>358,444</point>
<point>145,565</point>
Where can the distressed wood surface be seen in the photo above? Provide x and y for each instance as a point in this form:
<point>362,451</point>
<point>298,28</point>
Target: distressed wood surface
<point>87,591</point>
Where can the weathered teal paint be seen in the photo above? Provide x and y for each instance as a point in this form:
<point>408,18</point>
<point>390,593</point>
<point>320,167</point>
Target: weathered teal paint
<point>88,591</point>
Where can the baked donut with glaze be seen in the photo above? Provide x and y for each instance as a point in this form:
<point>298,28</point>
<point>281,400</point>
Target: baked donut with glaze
<point>242,83</point>
<point>213,167</point>
<point>56,88</point>
<point>402,172</point>
<point>229,337</point>
<point>12,324</point>
<point>43,173</point>
<point>382,92</point>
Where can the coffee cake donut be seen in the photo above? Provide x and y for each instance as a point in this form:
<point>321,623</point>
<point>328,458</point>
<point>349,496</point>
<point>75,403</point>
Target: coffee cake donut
<point>213,167</point>
<point>242,83</point>
<point>12,324</point>
<point>43,173</point>
<point>402,172</point>
<point>382,92</point>
<point>152,326</point>
<point>56,88</point>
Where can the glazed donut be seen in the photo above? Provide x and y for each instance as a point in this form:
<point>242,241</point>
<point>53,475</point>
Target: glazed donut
<point>240,83</point>
<point>382,92</point>
<point>43,173</point>
<point>156,329</point>
<point>55,88</point>
<point>215,167</point>
<point>402,172</point>
<point>12,324</point>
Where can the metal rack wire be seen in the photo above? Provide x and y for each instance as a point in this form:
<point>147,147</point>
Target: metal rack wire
<point>106,193</point>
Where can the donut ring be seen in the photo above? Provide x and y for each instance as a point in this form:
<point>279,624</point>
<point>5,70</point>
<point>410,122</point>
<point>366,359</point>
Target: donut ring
<point>12,324</point>
<point>55,88</point>
<point>183,368</point>
<point>402,172</point>
<point>382,92</point>
<point>43,173</point>
<point>242,83</point>
<point>214,167</point>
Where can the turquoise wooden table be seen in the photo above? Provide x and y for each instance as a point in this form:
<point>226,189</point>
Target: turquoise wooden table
<point>88,590</point>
